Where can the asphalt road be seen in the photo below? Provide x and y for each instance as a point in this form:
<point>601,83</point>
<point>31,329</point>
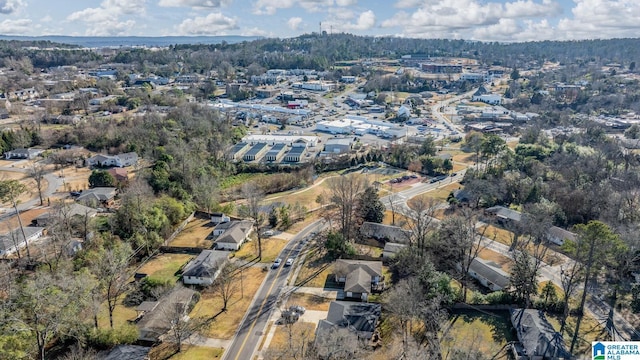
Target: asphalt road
<point>253,324</point>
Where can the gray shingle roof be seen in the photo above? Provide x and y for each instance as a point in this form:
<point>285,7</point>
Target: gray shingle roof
<point>206,264</point>
<point>537,336</point>
<point>492,273</point>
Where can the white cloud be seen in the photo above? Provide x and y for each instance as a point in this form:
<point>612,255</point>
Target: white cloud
<point>212,24</point>
<point>46,18</point>
<point>269,7</point>
<point>16,27</point>
<point>503,30</point>
<point>365,21</point>
<point>345,3</point>
<point>294,23</point>
<point>601,19</point>
<point>195,3</point>
<point>108,19</point>
<point>254,31</point>
<point>10,6</point>
<point>468,18</point>
<point>403,4</point>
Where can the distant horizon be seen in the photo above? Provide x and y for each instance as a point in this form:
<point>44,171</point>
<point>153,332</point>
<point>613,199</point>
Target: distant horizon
<point>473,20</point>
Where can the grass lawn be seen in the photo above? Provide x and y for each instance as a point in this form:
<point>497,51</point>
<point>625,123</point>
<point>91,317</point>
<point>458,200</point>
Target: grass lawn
<point>590,330</point>
<point>271,248</point>
<point>388,218</point>
<point>306,197</point>
<point>166,351</point>
<point>485,332</point>
<point>195,234</point>
<point>224,325</point>
<point>309,301</point>
<point>440,193</point>
<point>500,235</point>
<point>75,178</point>
<point>316,269</point>
<point>490,255</point>
<point>164,267</point>
<point>301,331</point>
<point>299,225</point>
<point>121,314</point>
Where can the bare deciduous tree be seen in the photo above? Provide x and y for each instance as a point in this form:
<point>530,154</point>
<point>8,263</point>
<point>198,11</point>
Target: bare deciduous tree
<point>254,197</point>
<point>37,171</point>
<point>10,191</point>
<point>345,191</point>
<point>112,270</point>
<point>226,286</point>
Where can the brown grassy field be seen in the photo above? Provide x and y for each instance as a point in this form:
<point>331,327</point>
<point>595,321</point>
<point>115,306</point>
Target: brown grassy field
<point>490,255</point>
<point>225,323</point>
<point>309,301</point>
<point>165,266</point>
<point>121,314</point>
<point>74,178</point>
<point>195,234</point>
<point>315,270</point>
<point>299,330</point>
<point>271,248</point>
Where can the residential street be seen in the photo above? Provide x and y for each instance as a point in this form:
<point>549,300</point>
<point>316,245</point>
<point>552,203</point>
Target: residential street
<point>53,183</point>
<point>253,325</point>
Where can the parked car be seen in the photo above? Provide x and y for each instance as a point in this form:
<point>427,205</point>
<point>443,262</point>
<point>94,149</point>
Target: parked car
<point>289,262</point>
<point>268,233</point>
<point>276,263</point>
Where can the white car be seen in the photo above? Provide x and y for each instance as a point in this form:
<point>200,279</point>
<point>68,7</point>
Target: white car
<point>276,263</point>
<point>289,262</point>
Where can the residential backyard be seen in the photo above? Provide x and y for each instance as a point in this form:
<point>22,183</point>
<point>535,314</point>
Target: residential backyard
<point>271,248</point>
<point>485,332</point>
<point>166,351</point>
<point>316,269</point>
<point>195,234</point>
<point>165,267</point>
<point>310,301</point>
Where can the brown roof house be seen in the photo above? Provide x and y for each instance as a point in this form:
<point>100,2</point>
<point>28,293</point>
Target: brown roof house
<point>359,277</point>
<point>120,175</point>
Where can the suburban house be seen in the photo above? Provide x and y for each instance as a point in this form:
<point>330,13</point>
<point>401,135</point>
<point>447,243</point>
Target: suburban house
<point>67,210</point>
<point>391,249</point>
<point>360,318</point>
<point>537,339</point>
<point>205,268</point>
<point>97,196</point>
<point>154,318</point>
<point>389,233</point>
<point>503,214</point>
<point>558,235</point>
<point>120,160</point>
<point>15,240</point>
<point>232,234</point>
<point>120,175</point>
<point>23,154</point>
<point>360,278</point>
<point>219,217</point>
<point>489,274</point>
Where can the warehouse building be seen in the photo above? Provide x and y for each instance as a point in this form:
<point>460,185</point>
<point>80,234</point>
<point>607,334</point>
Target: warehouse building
<point>295,154</point>
<point>238,150</point>
<point>256,152</point>
<point>275,153</point>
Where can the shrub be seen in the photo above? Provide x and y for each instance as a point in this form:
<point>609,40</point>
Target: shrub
<point>103,339</point>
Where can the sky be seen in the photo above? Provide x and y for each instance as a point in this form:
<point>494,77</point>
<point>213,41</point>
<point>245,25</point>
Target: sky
<point>484,20</point>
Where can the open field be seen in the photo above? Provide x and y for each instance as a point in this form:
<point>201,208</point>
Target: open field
<point>166,351</point>
<point>441,193</point>
<point>75,178</point>
<point>300,331</point>
<point>316,269</point>
<point>27,217</point>
<point>164,267</point>
<point>31,192</point>
<point>271,248</point>
<point>309,301</point>
<point>224,325</point>
<point>195,234</point>
<point>482,331</point>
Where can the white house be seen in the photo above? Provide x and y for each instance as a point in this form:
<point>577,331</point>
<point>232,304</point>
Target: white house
<point>491,99</point>
<point>219,218</point>
<point>120,160</point>
<point>205,268</point>
<point>15,240</point>
<point>22,154</point>
<point>489,274</point>
<point>232,235</point>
